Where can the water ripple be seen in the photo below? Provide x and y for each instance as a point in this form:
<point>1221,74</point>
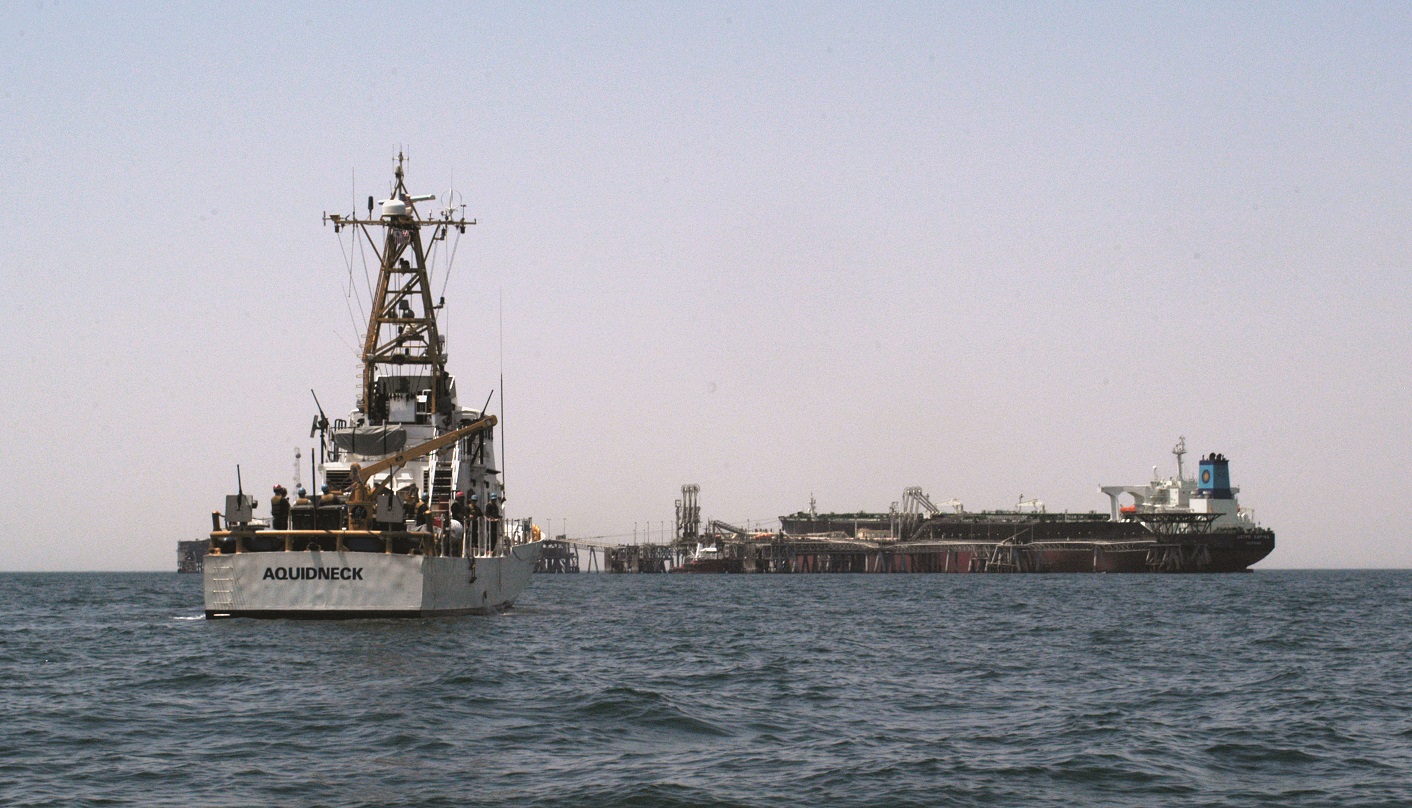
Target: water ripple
<point>1272,688</point>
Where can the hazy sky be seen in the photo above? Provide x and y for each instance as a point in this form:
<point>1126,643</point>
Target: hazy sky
<point>775,250</point>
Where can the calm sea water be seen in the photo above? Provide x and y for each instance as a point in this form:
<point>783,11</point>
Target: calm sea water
<point>1274,688</point>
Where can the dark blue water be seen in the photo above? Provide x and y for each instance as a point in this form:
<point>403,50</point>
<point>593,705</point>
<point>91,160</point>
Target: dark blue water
<point>1274,688</point>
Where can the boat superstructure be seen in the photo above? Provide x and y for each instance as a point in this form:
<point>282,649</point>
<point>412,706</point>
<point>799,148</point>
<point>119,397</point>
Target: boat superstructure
<point>410,521</point>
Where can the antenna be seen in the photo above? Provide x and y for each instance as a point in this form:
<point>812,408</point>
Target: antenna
<point>501,391</point>
<point>1179,450</point>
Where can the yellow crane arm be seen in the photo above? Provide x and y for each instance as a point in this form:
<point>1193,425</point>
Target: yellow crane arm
<point>361,474</point>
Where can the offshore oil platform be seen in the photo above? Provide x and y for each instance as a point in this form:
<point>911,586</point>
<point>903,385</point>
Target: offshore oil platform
<point>1176,524</point>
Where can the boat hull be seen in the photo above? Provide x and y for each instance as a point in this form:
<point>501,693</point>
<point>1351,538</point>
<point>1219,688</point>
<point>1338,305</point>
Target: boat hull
<point>711,566</point>
<point>1224,551</point>
<point>352,585</point>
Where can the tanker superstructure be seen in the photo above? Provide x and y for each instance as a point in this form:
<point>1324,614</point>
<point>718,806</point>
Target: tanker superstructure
<point>413,522</point>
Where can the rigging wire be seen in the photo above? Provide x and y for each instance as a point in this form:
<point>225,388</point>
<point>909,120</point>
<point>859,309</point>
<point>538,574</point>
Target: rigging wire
<point>353,234</point>
<point>352,289</point>
<point>367,279</point>
<point>445,324</point>
<point>351,349</point>
<point>451,260</point>
<point>348,288</point>
<point>354,322</point>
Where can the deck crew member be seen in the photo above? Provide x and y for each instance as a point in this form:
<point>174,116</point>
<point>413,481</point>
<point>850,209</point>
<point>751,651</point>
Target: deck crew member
<point>474,514</point>
<point>492,518</point>
<point>423,512</point>
<point>456,536</point>
<point>409,500</point>
<point>303,516</point>
<point>457,514</point>
<point>279,508</point>
<point>330,511</point>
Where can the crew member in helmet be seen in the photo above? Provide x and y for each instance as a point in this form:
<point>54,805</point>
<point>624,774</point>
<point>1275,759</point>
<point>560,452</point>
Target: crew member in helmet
<point>279,508</point>
<point>492,518</point>
<point>330,498</point>
<point>423,512</point>
<point>409,500</point>
<point>474,514</point>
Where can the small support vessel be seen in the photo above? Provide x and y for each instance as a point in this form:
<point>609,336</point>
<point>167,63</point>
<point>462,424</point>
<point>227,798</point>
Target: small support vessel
<point>410,520</point>
<point>710,558</point>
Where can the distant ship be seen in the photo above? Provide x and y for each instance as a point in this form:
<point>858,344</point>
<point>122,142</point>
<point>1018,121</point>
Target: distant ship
<point>192,554</point>
<point>1177,524</point>
<point>709,558</point>
<point>364,550</point>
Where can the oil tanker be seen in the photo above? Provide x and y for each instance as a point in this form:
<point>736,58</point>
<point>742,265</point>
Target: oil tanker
<point>1176,524</point>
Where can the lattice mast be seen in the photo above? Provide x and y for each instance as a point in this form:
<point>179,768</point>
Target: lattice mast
<point>402,327</point>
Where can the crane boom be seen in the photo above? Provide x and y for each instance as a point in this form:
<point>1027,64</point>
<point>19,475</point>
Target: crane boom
<point>361,474</point>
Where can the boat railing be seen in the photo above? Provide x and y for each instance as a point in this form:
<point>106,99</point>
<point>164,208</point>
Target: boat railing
<point>436,542</point>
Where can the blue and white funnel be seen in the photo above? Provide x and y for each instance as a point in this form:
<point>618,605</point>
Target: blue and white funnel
<point>1213,478</point>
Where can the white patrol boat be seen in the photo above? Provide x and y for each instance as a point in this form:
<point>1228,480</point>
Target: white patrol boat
<point>411,524</point>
